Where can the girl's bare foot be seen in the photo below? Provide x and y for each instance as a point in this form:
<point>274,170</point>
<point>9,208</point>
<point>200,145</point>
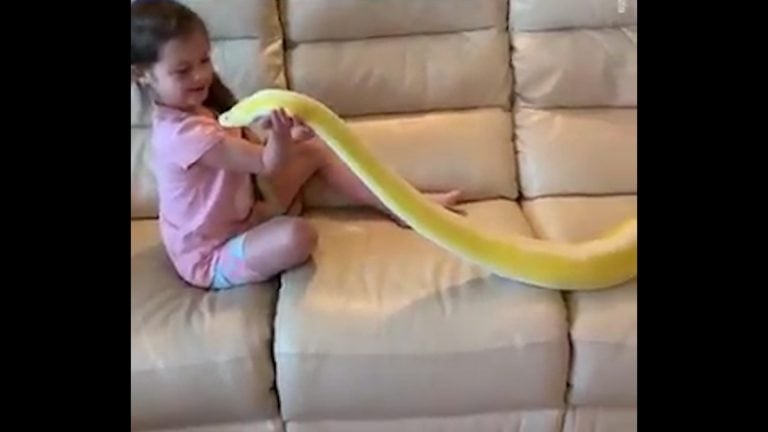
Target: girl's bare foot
<point>449,200</point>
<point>279,146</point>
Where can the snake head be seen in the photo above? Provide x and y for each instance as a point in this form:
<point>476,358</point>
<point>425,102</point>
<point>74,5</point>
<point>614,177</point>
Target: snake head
<point>229,119</point>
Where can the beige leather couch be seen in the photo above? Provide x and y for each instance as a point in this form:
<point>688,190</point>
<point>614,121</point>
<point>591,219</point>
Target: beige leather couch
<point>529,107</point>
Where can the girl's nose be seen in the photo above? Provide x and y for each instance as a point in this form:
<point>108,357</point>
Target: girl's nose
<point>200,76</point>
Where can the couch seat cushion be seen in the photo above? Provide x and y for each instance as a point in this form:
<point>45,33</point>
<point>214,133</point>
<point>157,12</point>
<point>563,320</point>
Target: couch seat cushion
<point>383,324</point>
<point>600,419</point>
<point>196,358</point>
<point>603,323</point>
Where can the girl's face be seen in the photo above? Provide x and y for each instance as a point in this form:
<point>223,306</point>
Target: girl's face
<point>182,76</point>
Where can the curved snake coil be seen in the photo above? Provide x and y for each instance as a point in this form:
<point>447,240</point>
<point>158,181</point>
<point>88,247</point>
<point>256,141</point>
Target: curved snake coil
<point>599,263</point>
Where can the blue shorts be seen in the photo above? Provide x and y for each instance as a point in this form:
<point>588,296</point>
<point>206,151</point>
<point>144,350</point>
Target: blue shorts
<point>230,268</point>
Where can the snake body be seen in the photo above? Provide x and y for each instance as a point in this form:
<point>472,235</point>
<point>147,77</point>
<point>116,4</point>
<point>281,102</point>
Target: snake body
<point>599,263</point>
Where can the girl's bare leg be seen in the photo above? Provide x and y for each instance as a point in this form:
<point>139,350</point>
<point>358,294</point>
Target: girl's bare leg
<point>337,175</point>
<point>288,165</point>
<point>281,186</point>
<point>277,245</point>
<point>308,156</point>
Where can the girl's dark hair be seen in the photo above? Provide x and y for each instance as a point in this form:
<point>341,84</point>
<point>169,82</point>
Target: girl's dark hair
<point>154,23</point>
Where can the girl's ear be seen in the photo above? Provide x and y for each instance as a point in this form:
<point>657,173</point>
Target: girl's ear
<point>139,75</point>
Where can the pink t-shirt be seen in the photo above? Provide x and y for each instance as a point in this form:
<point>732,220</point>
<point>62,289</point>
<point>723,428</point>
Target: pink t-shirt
<point>201,208</point>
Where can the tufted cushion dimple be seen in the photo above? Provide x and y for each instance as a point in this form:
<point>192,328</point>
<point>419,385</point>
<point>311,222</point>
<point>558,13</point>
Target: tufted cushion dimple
<point>577,68</point>
<point>576,151</point>
<point>247,53</point>
<point>538,15</point>
<point>405,74</point>
<point>318,20</point>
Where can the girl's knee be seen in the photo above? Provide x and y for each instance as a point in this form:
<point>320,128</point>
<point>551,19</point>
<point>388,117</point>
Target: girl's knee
<point>318,151</point>
<point>301,237</point>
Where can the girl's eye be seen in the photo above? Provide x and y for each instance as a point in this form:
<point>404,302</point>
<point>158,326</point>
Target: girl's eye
<point>206,60</point>
<point>182,71</point>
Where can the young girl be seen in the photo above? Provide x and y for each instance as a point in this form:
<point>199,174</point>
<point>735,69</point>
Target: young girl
<point>215,231</point>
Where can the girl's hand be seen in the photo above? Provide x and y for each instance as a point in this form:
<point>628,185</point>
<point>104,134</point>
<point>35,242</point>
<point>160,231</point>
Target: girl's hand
<point>279,140</point>
<point>280,126</point>
<point>302,132</point>
<point>277,122</point>
<point>448,200</point>
<point>299,130</point>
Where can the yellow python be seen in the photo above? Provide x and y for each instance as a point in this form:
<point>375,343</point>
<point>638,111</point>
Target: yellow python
<point>595,264</point>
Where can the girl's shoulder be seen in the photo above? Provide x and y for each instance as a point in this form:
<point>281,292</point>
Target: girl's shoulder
<point>166,117</point>
<point>171,125</point>
<point>181,138</point>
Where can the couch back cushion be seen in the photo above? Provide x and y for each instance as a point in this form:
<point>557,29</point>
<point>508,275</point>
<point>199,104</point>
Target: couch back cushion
<point>427,85</point>
<point>246,51</point>
<point>396,56</point>
<point>575,68</point>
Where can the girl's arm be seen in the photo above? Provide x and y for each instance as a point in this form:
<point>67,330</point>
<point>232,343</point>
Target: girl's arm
<point>242,155</point>
<point>235,154</point>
